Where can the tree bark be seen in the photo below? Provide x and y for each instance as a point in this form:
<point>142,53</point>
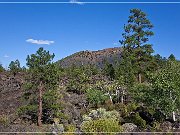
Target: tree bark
<point>40,104</point>
<point>173,113</point>
<point>139,78</point>
<point>139,56</point>
<point>110,97</point>
<point>122,97</point>
<point>174,116</point>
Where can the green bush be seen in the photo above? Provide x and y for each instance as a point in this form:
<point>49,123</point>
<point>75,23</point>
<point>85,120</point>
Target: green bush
<point>95,97</point>
<point>4,120</point>
<point>70,129</point>
<point>122,109</point>
<point>101,113</point>
<point>137,120</point>
<point>1,68</point>
<point>125,110</point>
<point>159,116</point>
<point>156,127</point>
<point>30,110</point>
<point>101,125</point>
<point>131,107</point>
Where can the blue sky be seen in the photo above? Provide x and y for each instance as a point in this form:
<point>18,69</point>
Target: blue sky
<point>75,27</point>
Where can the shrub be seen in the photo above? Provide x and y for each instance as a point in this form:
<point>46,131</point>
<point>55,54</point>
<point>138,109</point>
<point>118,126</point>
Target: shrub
<point>1,68</point>
<point>122,109</point>
<point>101,113</point>
<point>4,120</point>
<point>101,125</point>
<point>101,120</point>
<point>70,129</point>
<point>131,107</point>
<point>159,116</point>
<point>109,105</point>
<point>28,110</point>
<point>156,126</point>
<point>95,97</point>
<point>137,120</point>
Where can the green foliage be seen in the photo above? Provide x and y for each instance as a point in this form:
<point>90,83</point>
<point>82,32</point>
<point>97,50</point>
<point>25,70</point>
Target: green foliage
<point>71,129</point>
<point>165,88</point>
<point>41,69</point>
<point>109,70</point>
<point>135,48</point>
<point>155,127</point>
<point>131,107</point>
<point>160,61</point>
<point>172,57</point>
<point>101,120</point>
<point>101,113</point>
<point>109,88</point>
<point>91,70</point>
<point>140,93</point>
<point>30,110</point>
<point>163,92</point>
<point>40,59</point>
<point>4,120</point>
<point>1,68</point>
<point>137,120</point>
<point>122,109</point>
<point>101,125</point>
<point>15,67</point>
<point>125,110</point>
<point>95,97</point>
<point>159,116</point>
<point>78,78</point>
<point>125,72</point>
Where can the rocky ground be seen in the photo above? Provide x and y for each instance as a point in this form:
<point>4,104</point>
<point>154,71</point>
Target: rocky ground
<point>74,106</point>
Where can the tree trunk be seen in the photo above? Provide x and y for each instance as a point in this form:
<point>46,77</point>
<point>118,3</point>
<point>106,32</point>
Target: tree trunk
<point>117,94</point>
<point>173,113</point>
<point>110,97</point>
<point>139,57</point>
<point>122,97</point>
<point>174,116</point>
<point>139,78</point>
<point>40,104</point>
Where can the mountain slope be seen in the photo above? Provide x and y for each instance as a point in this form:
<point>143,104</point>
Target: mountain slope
<point>92,57</point>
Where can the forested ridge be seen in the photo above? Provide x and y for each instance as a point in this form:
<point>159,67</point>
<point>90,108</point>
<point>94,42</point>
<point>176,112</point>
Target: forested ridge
<point>124,89</point>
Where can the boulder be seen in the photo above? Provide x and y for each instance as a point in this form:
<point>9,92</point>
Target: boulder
<point>129,127</point>
<point>166,126</point>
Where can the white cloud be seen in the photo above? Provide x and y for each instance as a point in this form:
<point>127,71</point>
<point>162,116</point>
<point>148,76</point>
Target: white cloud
<point>6,56</point>
<point>76,2</point>
<point>39,42</point>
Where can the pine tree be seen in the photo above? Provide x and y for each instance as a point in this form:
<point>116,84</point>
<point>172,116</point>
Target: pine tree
<point>135,41</point>
<point>15,67</point>
<point>41,86</point>
<point>172,57</point>
<point>109,70</point>
<point>160,61</point>
<point>1,68</point>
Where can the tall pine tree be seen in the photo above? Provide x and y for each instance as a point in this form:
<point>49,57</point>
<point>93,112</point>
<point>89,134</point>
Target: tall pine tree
<point>135,38</point>
<point>41,88</point>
